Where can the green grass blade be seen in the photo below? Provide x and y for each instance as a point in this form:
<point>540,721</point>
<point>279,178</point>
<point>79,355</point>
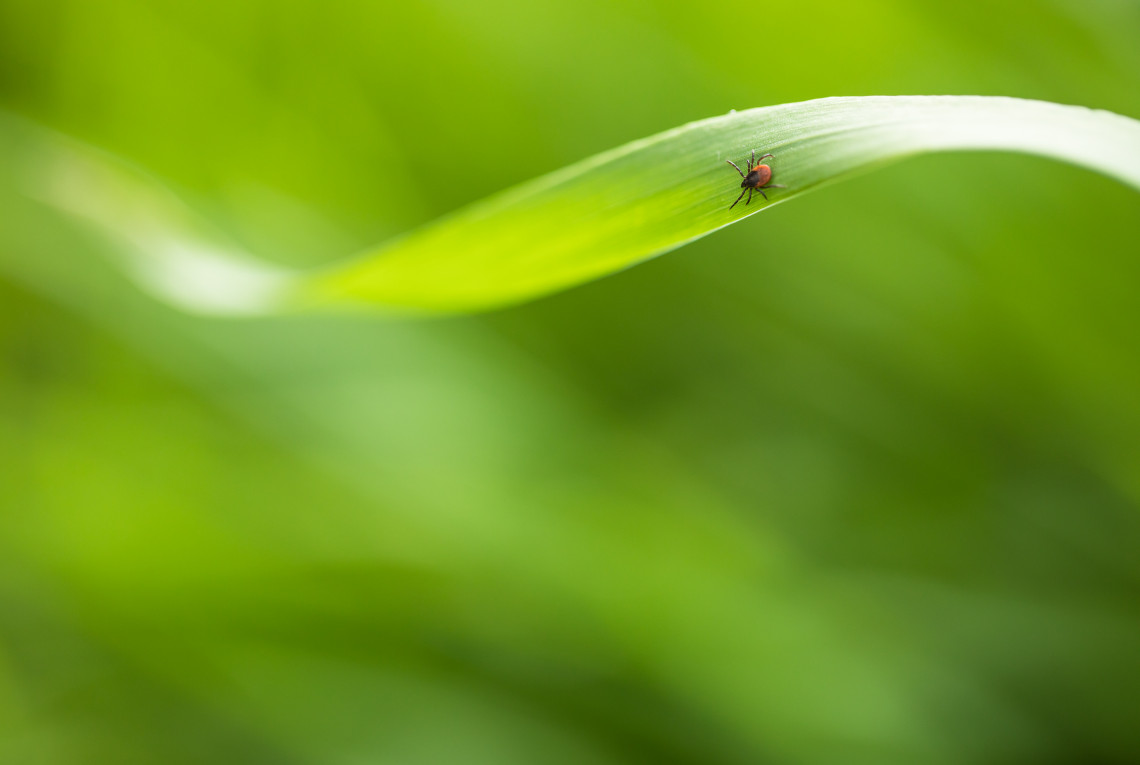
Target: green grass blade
<point>651,196</point>
<point>593,218</point>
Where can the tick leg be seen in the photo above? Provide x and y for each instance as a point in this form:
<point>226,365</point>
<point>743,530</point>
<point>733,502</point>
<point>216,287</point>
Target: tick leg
<point>762,193</point>
<point>753,160</point>
<point>737,200</point>
<point>729,161</point>
<point>773,156</point>
<point>774,186</point>
<point>749,197</point>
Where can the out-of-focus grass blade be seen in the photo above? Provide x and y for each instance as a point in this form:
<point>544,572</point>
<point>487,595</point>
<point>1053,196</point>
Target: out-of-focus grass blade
<point>623,206</point>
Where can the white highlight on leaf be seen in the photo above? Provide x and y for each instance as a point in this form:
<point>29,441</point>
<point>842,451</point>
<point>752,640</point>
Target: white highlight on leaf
<point>161,243</point>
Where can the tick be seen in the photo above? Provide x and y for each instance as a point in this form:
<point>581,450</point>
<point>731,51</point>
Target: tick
<point>756,179</point>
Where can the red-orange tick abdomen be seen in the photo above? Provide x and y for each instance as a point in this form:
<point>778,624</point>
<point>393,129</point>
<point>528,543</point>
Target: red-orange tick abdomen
<point>758,176</point>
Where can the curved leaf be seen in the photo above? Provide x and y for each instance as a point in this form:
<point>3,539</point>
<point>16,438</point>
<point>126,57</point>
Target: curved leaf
<point>593,218</point>
<point>651,196</point>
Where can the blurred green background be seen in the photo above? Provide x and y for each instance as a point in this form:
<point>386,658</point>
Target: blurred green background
<point>855,481</point>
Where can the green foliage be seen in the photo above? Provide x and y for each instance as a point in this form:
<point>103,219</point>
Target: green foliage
<point>854,481</point>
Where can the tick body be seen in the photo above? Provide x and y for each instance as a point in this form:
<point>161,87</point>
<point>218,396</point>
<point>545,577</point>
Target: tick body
<point>756,179</point>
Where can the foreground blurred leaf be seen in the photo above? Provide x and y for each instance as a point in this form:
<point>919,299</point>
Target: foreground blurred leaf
<point>593,218</point>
